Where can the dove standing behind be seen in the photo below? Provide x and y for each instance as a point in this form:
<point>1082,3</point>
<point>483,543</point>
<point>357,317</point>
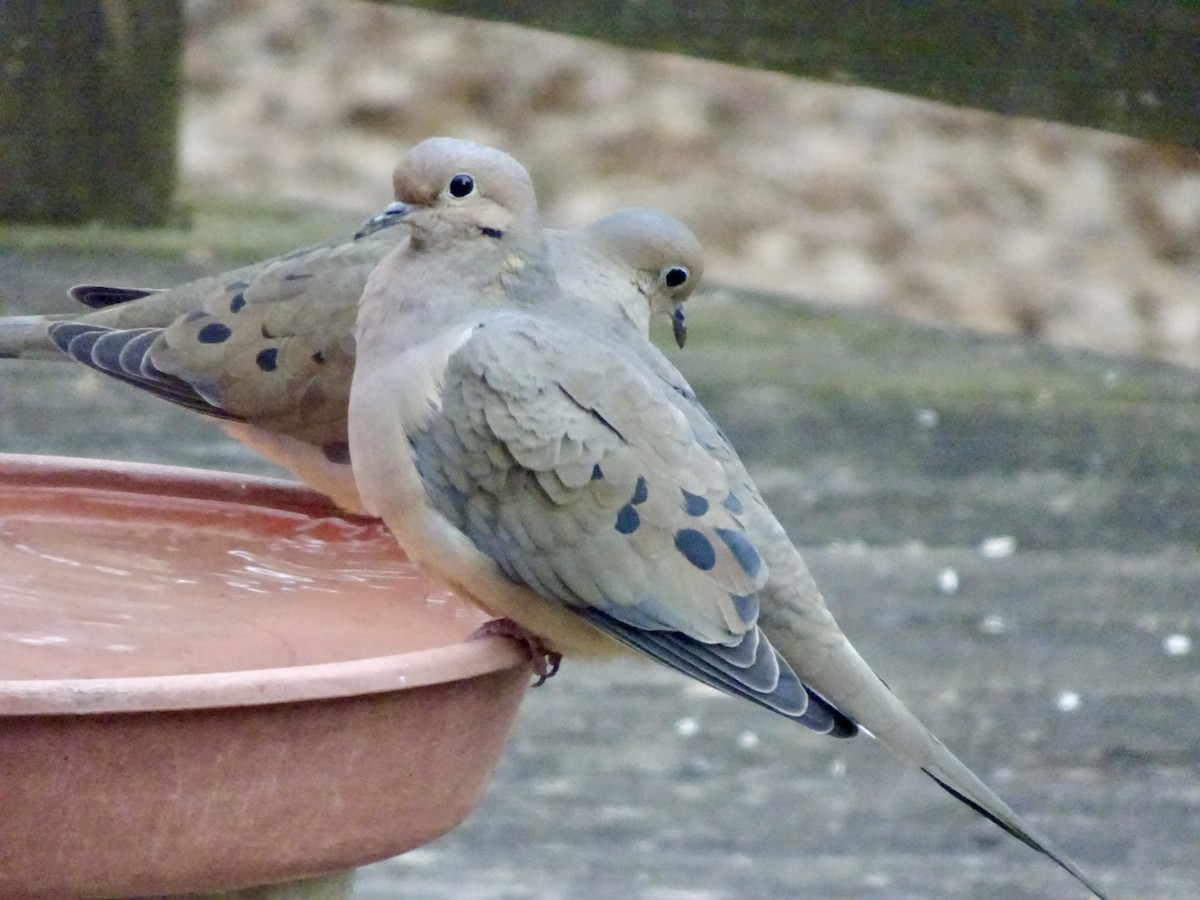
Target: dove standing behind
<point>269,348</point>
<point>560,472</point>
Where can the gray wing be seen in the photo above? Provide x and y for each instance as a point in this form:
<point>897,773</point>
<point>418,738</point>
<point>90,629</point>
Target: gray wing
<point>569,465</point>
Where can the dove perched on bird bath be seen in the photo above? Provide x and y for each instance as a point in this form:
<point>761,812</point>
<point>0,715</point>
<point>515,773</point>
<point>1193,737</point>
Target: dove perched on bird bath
<point>551,465</point>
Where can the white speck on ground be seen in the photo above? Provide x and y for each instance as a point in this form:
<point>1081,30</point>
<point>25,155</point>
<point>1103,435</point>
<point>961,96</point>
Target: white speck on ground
<point>687,727</point>
<point>1177,645</point>
<point>998,546</point>
<point>1068,701</point>
<point>947,581</point>
<point>993,624</point>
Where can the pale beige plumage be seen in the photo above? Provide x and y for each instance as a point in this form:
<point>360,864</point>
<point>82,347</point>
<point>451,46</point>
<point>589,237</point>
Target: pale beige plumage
<point>553,466</point>
<point>269,348</point>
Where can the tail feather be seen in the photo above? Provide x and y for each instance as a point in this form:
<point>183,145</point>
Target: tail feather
<point>26,337</point>
<point>123,355</point>
<point>965,786</point>
<point>834,669</point>
<point>909,739</point>
<point>100,296</point>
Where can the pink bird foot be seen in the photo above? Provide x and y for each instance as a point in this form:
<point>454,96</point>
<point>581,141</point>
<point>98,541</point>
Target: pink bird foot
<point>545,661</point>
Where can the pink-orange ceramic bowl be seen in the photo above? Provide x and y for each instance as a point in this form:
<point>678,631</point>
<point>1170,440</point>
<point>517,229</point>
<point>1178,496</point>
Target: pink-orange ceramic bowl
<point>210,681</point>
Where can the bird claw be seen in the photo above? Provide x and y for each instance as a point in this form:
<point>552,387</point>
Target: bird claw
<point>545,661</point>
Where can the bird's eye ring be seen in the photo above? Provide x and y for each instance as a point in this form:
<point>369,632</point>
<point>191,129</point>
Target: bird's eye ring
<point>461,185</point>
<point>674,276</point>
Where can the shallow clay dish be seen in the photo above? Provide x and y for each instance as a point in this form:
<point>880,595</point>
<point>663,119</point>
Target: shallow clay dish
<point>210,681</point>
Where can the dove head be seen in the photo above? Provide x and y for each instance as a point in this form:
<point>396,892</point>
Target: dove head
<point>455,187</point>
<point>474,242</point>
<point>663,256</point>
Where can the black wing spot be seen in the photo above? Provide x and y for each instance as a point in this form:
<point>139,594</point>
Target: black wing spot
<point>628,520</point>
<point>640,491</point>
<point>267,359</point>
<point>214,333</point>
<point>696,548</point>
<point>694,504</point>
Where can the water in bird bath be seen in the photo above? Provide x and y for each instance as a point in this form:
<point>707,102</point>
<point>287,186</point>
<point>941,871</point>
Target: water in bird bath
<point>104,583</point>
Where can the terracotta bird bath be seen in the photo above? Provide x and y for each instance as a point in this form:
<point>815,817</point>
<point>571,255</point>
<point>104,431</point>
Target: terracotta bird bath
<point>210,682</point>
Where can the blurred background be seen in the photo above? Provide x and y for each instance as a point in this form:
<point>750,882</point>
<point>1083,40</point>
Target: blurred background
<point>851,196</point>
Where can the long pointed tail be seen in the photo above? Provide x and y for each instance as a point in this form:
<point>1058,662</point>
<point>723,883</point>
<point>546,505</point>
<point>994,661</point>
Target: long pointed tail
<point>960,782</point>
<point>25,337</point>
<point>807,636</point>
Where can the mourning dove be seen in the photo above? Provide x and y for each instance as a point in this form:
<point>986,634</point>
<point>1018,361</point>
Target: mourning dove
<point>560,473</point>
<point>269,348</point>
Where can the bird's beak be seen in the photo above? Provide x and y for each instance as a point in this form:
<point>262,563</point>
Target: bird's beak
<point>393,213</point>
<point>678,325</point>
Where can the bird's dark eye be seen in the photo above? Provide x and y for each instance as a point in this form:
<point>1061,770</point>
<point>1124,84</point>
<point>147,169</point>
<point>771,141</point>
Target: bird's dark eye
<point>674,276</point>
<point>461,185</point>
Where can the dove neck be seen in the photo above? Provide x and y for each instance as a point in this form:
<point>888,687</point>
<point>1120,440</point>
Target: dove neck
<point>586,269</point>
<point>414,295</point>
